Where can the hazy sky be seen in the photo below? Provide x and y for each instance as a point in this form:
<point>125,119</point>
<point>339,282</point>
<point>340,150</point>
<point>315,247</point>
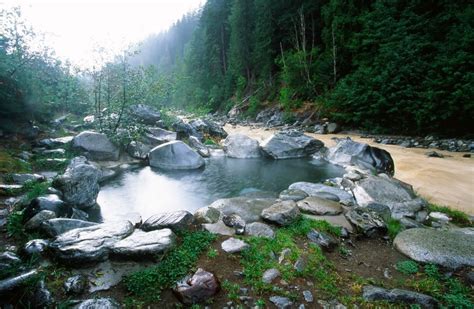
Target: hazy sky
<point>74,28</point>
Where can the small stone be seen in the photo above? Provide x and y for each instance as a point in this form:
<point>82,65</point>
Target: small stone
<point>434,154</point>
<point>236,222</point>
<point>75,285</point>
<point>259,229</point>
<point>308,296</point>
<point>35,247</point>
<point>439,216</point>
<point>284,254</point>
<point>300,264</point>
<point>198,288</point>
<point>281,302</point>
<point>270,275</point>
<point>234,245</point>
<point>323,240</point>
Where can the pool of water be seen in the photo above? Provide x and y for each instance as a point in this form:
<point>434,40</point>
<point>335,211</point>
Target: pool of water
<point>148,191</point>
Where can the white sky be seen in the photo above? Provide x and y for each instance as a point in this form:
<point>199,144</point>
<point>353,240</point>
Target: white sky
<point>75,28</point>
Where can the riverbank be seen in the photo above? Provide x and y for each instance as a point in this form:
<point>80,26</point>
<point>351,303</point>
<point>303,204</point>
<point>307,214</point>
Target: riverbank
<point>447,181</point>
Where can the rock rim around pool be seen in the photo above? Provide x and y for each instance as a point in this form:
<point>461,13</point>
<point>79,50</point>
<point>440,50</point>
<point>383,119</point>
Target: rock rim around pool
<point>96,146</point>
<point>241,147</point>
<point>290,144</point>
<point>175,155</point>
<point>449,248</point>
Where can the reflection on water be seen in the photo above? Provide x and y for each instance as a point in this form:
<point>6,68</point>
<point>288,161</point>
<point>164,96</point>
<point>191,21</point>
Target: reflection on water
<point>148,191</point>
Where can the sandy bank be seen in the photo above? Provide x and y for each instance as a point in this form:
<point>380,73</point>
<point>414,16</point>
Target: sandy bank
<point>448,181</point>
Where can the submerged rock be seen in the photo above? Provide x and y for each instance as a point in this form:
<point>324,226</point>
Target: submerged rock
<point>319,206</point>
<point>290,144</point>
<point>177,220</point>
<point>320,190</point>
<point>241,146</point>
<point>449,248</point>
<point>282,213</point>
<point>142,244</point>
<point>80,183</point>
<point>347,152</point>
<point>175,155</point>
<point>89,244</point>
<point>198,288</point>
<point>398,296</point>
<point>96,146</point>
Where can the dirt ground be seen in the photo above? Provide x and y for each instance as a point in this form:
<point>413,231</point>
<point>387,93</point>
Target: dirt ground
<point>447,181</point>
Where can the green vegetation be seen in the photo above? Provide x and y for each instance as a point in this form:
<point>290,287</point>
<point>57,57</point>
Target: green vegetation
<point>407,267</point>
<point>393,228</point>
<point>458,217</point>
<point>10,164</point>
<point>232,289</point>
<point>212,253</point>
<point>145,285</point>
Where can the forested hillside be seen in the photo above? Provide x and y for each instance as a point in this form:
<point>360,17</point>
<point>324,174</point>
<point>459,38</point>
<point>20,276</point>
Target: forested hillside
<point>392,66</point>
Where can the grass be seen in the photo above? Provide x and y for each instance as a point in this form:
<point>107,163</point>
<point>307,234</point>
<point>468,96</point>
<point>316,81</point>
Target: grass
<point>257,259</point>
<point>145,286</point>
<point>393,228</point>
<point>10,164</point>
<point>458,217</point>
<point>232,289</point>
<point>407,267</point>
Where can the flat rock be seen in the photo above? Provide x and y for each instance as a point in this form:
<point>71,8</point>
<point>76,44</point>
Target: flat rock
<point>282,213</point>
<point>144,244</point>
<point>234,245</point>
<point>56,142</point>
<point>293,195</point>
<point>9,285</point>
<point>259,229</point>
<point>55,227</point>
<point>177,220</point>
<point>89,244</point>
<point>175,155</point>
<point>219,228</point>
<point>241,146</point>
<point>247,208</point>
<point>24,178</point>
<point>10,190</point>
<point>319,206</point>
<point>197,288</point>
<point>158,136</point>
<point>96,146</point>
<point>398,296</point>
<point>290,144</point>
<point>339,220</point>
<point>449,248</point>
<point>315,189</point>
<point>281,302</point>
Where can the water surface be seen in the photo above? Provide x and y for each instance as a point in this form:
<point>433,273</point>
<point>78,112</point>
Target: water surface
<point>148,191</point>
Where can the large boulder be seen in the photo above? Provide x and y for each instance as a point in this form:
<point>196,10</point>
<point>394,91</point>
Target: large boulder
<point>177,220</point>
<point>247,208</point>
<point>347,152</point>
<point>175,155</point>
<point>450,248</point>
<point>282,213</point>
<point>290,144</point>
<point>320,190</point>
<point>144,113</point>
<point>144,244</point>
<point>89,244</point>
<point>398,196</point>
<point>80,183</point>
<point>197,288</point>
<point>55,227</point>
<point>96,146</point>
<point>241,146</point>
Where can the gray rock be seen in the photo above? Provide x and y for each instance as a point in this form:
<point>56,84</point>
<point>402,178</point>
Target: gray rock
<point>138,150</point>
<point>398,296</point>
<point>218,228</point>
<point>332,127</point>
<point>247,208</point>
<point>366,222</point>
<point>24,178</point>
<point>206,214</point>
<point>79,184</point>
<point>348,152</point>
<point>10,190</point>
<point>198,288</point>
<point>142,244</point>
<point>89,244</point>
<point>41,297</point>
<point>199,147</point>
<point>234,245</point>
<point>281,302</point>
<point>55,227</point>
<point>449,248</point>
<point>439,216</point>
<point>177,220</point>
<point>282,213</point>
<point>9,285</point>
<point>36,221</point>
<point>382,210</point>
<point>293,195</point>
<point>319,206</point>
<point>145,113</point>
<point>175,155</point>
<point>434,154</point>
<point>408,223</point>
<point>75,285</point>
<point>398,196</point>
<point>325,241</point>
<point>270,274</point>
<point>35,247</point>
<point>207,127</point>
<point>98,303</point>
<point>79,215</point>
<point>308,296</point>
<point>236,222</point>
<point>50,202</point>
<point>290,144</point>
<point>56,142</point>
<point>316,189</point>
<point>259,229</point>
<point>300,264</point>
<point>8,260</point>
<point>332,304</point>
<point>241,146</point>
<point>96,146</point>
<point>158,136</point>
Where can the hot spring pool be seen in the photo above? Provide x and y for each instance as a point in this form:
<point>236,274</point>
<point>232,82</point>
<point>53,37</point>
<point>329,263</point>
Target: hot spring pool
<point>148,191</point>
